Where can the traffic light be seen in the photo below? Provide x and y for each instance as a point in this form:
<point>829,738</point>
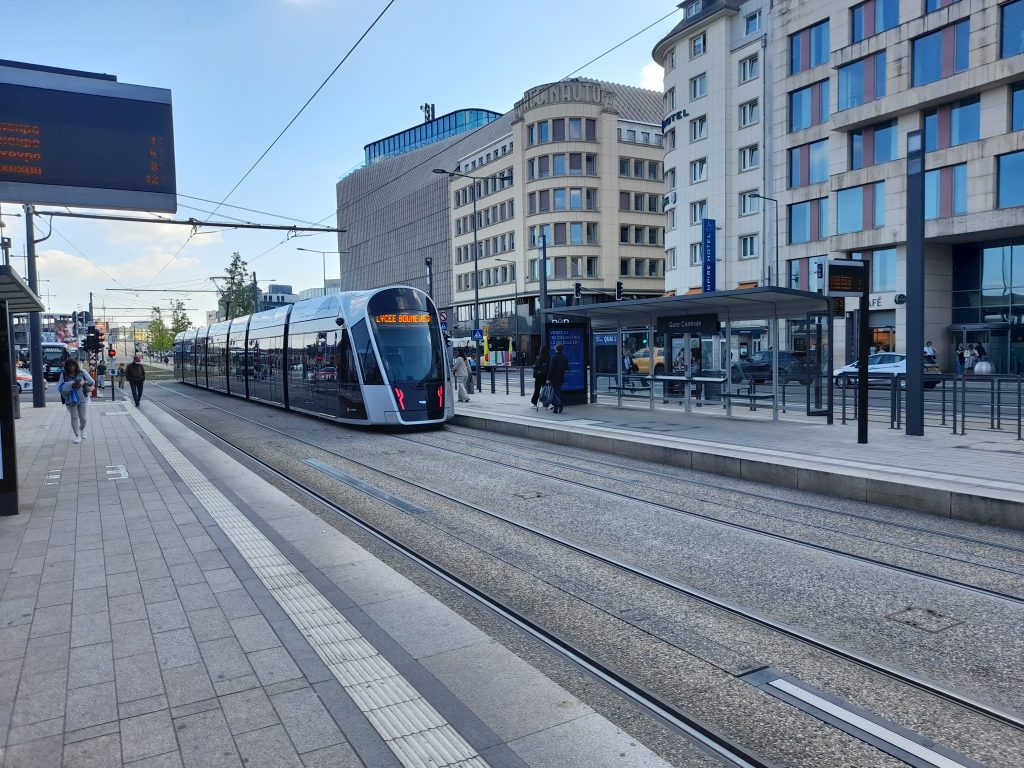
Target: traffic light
<point>92,339</point>
<point>618,291</point>
<point>577,291</point>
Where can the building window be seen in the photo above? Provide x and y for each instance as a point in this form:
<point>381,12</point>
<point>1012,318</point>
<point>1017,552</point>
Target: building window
<point>749,113</point>
<point>670,177</point>
<point>1017,107</point>
<point>750,202</point>
<point>808,164</point>
<point>942,53</point>
<point>1012,39</point>
<point>698,86</point>
<point>862,81</point>
<point>692,9</point>
<point>934,5</point>
<point>860,208</point>
<point>808,221</point>
<point>670,102</point>
<point>749,69</point>
<point>653,170</point>
<point>699,128</point>
<point>698,45</point>
<point>873,17</point>
<point>695,252</point>
<point>699,170</point>
<point>808,48</point>
<point>752,23</point>
<point>945,192</point>
<point>952,124</point>
<point>808,106</point>
<point>883,269</point>
<point>873,145</point>
<point>670,60</point>
<point>1011,171</point>
<point>748,246</point>
<point>699,211</point>
<point>749,157</point>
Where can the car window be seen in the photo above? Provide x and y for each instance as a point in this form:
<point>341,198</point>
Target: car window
<point>874,359</point>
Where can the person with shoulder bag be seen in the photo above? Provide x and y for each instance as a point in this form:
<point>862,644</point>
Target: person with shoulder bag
<point>557,369</point>
<point>460,370</point>
<point>540,376</point>
<point>74,385</point>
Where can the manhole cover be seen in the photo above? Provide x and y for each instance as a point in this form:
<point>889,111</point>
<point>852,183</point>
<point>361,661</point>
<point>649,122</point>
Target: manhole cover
<point>924,618</point>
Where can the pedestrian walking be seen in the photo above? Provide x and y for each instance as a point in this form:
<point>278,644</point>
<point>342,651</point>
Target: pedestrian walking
<point>136,375</point>
<point>557,368</point>
<point>120,376</point>
<point>961,362</point>
<point>930,353</point>
<point>74,385</point>
<point>970,358</point>
<point>460,370</point>
<point>471,379</point>
<point>540,375</point>
<point>101,373</point>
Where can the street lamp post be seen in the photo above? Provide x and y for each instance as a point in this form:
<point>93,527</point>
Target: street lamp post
<point>323,255</point>
<point>515,305</point>
<point>476,258</point>
<point>762,197</point>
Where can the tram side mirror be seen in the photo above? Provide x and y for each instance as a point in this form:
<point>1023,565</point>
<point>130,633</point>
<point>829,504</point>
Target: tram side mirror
<point>340,322</point>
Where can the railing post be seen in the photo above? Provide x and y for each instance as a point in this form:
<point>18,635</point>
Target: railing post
<point>943,401</point>
<point>963,407</point>
<point>1019,380</point>
<point>522,381</point>
<point>894,407</point>
<point>955,382</point>
<point>843,418</point>
<point>992,402</point>
<point>506,379</point>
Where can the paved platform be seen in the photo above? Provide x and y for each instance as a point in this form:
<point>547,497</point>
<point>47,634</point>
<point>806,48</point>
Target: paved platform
<point>978,476</point>
<point>160,605</point>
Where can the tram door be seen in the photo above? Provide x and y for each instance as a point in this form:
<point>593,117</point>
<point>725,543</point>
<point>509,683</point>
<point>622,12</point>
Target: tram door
<point>350,394</point>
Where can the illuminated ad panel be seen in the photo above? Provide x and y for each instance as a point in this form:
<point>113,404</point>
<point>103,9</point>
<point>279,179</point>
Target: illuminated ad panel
<point>84,140</point>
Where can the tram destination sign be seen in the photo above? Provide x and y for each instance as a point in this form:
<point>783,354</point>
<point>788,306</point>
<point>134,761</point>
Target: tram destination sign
<point>80,139</point>
<point>846,278</point>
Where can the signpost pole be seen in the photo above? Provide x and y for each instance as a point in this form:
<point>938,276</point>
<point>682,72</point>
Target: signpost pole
<point>863,351</point>
<point>35,330</point>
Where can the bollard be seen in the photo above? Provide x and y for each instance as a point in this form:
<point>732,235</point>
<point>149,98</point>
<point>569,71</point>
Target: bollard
<point>506,378</point>
<point>522,381</point>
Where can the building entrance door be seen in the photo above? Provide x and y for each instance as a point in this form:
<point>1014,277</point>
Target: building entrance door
<point>995,338</point>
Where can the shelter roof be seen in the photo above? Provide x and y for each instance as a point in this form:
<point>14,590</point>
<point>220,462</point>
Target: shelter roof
<point>16,293</point>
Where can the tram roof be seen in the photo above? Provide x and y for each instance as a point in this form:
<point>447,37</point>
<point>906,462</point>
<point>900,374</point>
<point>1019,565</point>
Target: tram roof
<point>738,305</point>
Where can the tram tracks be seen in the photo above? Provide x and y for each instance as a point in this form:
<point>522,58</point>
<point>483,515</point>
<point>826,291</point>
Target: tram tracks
<point>893,673</point>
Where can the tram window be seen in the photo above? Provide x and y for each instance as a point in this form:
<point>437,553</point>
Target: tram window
<point>364,351</point>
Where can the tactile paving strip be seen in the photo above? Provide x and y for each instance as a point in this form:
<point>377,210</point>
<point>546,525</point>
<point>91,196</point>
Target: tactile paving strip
<point>409,725</point>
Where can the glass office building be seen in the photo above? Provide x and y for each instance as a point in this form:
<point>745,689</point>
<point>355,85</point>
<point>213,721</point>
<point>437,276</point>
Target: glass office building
<point>438,129</point>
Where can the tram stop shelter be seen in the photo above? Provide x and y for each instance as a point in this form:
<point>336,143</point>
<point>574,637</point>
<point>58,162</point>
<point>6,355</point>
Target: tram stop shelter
<point>15,297</point>
<point>699,333</point>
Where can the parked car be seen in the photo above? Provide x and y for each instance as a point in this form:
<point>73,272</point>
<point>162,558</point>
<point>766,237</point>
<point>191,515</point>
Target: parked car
<point>642,361</point>
<point>23,378</point>
<point>793,366</point>
<point>881,368</point>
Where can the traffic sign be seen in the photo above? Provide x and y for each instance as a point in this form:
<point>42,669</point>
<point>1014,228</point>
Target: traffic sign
<point>444,325</point>
<point>478,335</point>
<point>443,316</point>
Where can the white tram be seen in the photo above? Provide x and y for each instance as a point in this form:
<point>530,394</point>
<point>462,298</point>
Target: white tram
<point>364,357</point>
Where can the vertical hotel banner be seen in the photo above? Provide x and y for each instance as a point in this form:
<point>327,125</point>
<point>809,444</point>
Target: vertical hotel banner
<point>708,255</point>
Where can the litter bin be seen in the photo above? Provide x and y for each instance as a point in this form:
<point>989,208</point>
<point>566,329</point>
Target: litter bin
<point>16,399</point>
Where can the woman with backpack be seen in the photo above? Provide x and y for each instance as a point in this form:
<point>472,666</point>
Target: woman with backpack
<point>74,385</point>
<point>540,376</point>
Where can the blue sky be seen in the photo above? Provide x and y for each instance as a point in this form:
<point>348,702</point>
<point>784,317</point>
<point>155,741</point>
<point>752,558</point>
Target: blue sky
<point>239,70</point>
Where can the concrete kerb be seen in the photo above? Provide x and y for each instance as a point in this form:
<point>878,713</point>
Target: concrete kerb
<point>983,505</point>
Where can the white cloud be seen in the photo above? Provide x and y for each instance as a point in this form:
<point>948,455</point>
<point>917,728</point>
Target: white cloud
<point>120,233</point>
<point>652,77</point>
<point>74,268</point>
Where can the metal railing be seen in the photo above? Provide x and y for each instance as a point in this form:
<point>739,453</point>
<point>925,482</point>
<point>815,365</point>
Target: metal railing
<point>958,403</point>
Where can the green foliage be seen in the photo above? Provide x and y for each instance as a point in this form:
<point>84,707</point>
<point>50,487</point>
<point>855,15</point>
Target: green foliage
<point>179,320</point>
<point>236,292</point>
<point>160,337</point>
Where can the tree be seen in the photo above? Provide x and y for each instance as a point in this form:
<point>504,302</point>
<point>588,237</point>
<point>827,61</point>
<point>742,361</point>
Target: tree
<point>179,320</point>
<point>235,295</point>
<point>160,337</point>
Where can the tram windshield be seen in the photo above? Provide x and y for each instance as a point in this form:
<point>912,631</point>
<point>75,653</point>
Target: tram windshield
<point>407,335</point>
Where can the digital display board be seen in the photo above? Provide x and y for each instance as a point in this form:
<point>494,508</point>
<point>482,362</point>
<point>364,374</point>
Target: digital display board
<point>573,341</point>
<point>402,318</point>
<point>846,278</point>
<point>86,141</point>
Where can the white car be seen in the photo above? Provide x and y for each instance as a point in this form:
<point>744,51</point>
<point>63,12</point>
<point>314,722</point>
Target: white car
<point>881,368</point>
<point>23,378</point>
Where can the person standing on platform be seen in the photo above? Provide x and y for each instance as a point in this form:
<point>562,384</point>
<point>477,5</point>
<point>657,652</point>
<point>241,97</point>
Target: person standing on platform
<point>120,376</point>
<point>556,376</point>
<point>74,385</point>
<point>960,359</point>
<point>101,373</point>
<point>930,353</point>
<point>540,375</point>
<point>460,370</point>
<point>970,358</point>
<point>136,375</point>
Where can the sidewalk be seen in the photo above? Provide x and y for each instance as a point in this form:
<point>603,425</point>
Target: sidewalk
<point>163,606</point>
<point>978,476</point>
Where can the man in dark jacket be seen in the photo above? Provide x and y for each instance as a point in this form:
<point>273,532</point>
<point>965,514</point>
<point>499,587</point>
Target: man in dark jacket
<point>557,367</point>
<point>136,375</point>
